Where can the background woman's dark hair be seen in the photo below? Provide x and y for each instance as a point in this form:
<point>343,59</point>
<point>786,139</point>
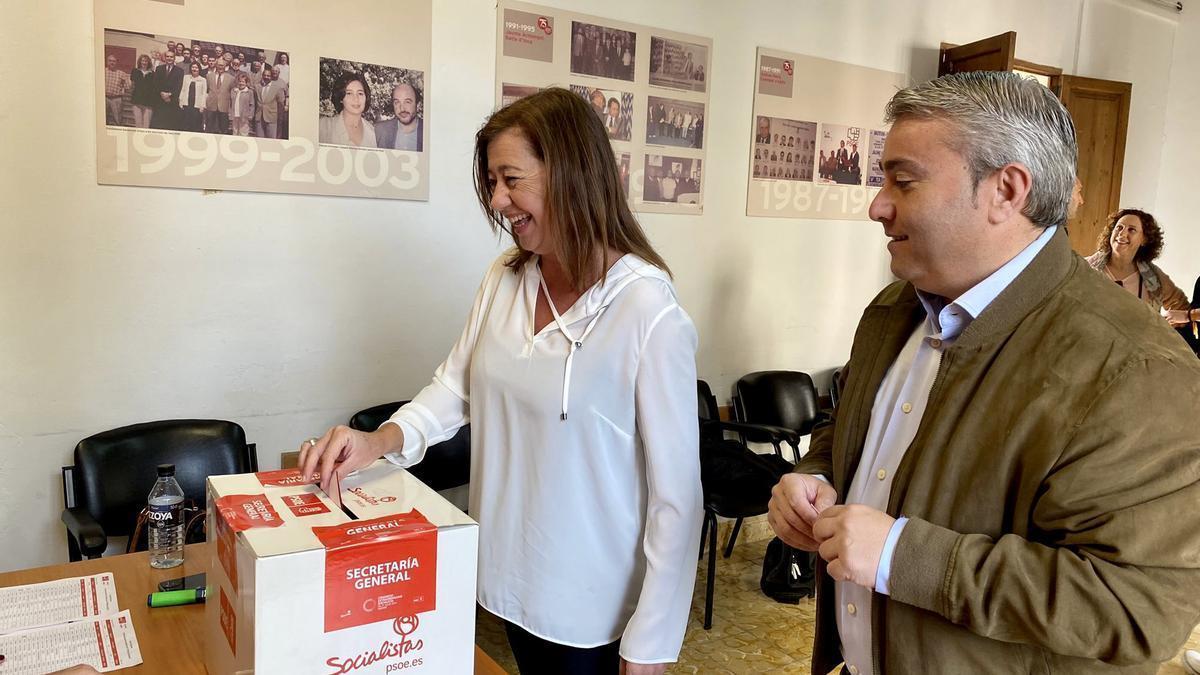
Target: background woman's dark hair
<point>148,61</point>
<point>1152,233</point>
<point>584,198</point>
<point>339,89</point>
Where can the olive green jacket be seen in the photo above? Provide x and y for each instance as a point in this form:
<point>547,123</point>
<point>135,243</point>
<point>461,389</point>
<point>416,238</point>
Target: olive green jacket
<point>1053,487</point>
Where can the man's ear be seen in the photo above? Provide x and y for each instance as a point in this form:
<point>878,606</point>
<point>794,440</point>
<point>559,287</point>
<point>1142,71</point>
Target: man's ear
<point>1013,182</point>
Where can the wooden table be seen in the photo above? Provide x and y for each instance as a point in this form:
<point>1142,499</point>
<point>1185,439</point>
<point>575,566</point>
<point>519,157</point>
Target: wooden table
<point>171,638</point>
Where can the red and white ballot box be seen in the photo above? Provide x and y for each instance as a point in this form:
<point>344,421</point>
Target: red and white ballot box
<point>298,584</point>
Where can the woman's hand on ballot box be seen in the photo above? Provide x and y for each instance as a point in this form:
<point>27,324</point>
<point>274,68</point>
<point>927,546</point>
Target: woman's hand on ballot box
<point>345,450</point>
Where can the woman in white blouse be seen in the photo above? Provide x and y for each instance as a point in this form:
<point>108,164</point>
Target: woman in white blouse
<point>192,95</point>
<point>351,98</point>
<point>576,371</point>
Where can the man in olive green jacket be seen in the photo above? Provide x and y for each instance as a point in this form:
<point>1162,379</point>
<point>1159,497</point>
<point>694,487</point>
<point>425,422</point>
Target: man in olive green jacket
<point>1011,483</point>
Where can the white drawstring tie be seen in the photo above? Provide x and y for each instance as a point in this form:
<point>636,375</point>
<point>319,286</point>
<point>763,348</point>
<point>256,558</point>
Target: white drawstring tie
<point>576,344</point>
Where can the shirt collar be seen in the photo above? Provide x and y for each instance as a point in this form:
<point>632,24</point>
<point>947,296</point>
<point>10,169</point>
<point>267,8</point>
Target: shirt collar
<point>951,318</point>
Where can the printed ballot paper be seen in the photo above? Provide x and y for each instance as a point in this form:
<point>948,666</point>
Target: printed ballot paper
<point>63,623</point>
<point>382,583</point>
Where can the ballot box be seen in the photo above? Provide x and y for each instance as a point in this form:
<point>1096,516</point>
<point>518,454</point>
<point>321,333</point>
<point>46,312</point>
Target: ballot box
<point>382,582</point>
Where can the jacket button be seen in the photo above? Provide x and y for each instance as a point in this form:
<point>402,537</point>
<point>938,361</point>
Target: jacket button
<point>851,609</point>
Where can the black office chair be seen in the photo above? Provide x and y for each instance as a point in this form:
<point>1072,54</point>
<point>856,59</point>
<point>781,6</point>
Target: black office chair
<point>779,405</point>
<point>776,407</point>
<point>106,487</point>
<point>445,465</point>
<point>737,482</point>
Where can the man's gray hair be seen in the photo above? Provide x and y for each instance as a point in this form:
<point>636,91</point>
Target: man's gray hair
<point>1001,118</point>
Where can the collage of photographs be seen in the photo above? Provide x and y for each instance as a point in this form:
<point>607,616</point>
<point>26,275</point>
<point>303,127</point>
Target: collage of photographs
<point>783,148</point>
<point>666,110</point>
<point>181,84</point>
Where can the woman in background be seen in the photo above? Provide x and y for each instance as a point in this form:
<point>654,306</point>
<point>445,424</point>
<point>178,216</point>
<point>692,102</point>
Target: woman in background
<point>191,99</point>
<point>144,92</point>
<point>1126,251</point>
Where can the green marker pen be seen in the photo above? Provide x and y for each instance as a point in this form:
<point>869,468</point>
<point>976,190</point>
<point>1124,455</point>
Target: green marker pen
<point>172,598</point>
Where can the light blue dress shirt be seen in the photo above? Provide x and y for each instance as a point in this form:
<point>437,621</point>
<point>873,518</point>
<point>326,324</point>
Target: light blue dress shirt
<point>895,416</point>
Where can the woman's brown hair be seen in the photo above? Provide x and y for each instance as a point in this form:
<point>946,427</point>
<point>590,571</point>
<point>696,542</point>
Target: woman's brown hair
<point>584,199</point>
<point>1149,250</point>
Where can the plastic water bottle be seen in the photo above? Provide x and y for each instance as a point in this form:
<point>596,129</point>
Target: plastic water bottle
<point>166,519</point>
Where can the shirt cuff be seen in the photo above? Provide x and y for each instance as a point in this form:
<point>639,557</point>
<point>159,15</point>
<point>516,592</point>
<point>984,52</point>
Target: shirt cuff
<point>412,438</point>
<point>885,557</point>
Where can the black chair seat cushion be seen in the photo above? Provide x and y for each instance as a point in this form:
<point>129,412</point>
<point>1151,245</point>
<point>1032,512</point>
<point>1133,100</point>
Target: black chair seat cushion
<point>737,482</point>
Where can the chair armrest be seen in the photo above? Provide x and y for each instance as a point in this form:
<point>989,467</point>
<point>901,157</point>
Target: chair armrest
<point>87,532</point>
<point>777,434</point>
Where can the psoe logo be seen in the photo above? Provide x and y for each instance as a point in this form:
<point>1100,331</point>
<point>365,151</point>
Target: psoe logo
<point>787,67</point>
<point>404,627</point>
<point>544,24</point>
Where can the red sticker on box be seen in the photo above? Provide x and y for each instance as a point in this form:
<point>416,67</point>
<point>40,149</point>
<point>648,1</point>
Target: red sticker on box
<point>228,622</point>
<point>227,550</point>
<point>305,504</point>
<point>379,569</point>
<point>243,512</point>
<point>285,478</point>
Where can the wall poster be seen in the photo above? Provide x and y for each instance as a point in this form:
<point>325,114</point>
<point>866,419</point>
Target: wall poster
<point>648,86</point>
<point>818,135</point>
<point>229,95</point>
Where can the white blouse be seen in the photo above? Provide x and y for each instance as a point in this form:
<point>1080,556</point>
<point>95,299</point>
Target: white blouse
<point>585,472</point>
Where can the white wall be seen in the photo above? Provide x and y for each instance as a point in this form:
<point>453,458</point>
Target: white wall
<point>1175,205</point>
<point>287,313</point>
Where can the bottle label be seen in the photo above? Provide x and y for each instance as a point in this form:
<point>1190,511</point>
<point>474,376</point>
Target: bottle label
<point>165,515</point>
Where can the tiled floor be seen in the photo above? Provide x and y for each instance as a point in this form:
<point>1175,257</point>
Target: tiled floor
<point>751,633</point>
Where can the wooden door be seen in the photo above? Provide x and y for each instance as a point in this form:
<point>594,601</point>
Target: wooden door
<point>1100,110</point>
<point>995,53</point>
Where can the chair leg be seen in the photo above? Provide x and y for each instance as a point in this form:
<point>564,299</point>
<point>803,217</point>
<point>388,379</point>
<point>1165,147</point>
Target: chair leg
<point>711,519</point>
<point>737,527</point>
<point>703,535</point>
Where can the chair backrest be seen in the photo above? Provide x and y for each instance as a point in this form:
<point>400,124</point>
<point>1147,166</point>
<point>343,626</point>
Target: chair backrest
<point>445,465</point>
<point>835,388</point>
<point>781,398</point>
<point>114,470</point>
<point>707,411</point>
<point>371,418</point>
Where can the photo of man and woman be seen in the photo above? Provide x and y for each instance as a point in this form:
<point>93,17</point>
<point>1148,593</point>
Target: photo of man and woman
<point>602,51</point>
<point>672,122</point>
<point>365,105</point>
<point>671,179</point>
<point>614,108</point>
<point>186,84</point>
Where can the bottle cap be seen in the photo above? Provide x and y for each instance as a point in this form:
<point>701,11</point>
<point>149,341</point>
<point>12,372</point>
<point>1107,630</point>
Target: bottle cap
<point>166,469</point>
